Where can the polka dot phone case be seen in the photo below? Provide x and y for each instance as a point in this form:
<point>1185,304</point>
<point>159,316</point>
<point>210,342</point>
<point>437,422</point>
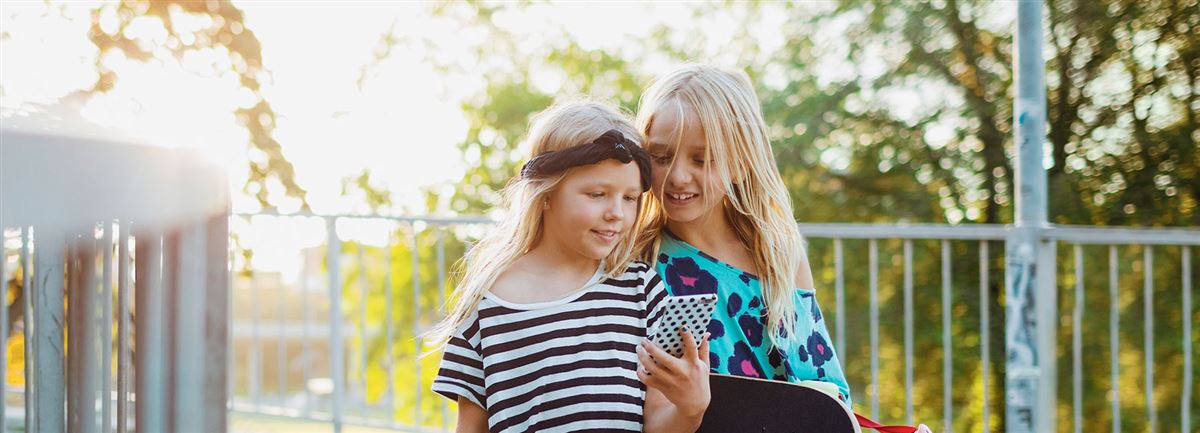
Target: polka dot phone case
<point>692,312</point>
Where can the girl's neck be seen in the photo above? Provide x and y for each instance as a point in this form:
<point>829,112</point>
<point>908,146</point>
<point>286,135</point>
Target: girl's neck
<point>554,257</point>
<point>711,233</point>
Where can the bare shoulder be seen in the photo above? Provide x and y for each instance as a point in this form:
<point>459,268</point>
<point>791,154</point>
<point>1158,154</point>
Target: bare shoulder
<point>804,278</point>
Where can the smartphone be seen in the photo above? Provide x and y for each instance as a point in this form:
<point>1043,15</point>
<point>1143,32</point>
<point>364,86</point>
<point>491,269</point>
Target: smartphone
<point>692,312</point>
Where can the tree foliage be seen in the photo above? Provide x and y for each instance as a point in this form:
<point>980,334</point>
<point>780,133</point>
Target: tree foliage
<point>226,32</point>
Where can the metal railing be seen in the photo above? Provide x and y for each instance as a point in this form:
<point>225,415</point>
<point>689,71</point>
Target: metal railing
<point>387,296</point>
<point>146,224</point>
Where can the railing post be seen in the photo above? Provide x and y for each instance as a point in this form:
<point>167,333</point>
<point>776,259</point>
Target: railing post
<point>48,343</point>
<point>336,354</point>
<point>1029,282</point>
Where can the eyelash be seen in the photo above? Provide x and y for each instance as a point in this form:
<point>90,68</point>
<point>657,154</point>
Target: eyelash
<point>663,160</point>
<point>601,194</point>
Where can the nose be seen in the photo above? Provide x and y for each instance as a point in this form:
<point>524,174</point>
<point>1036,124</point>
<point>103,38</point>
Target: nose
<point>614,211</point>
<point>677,175</point>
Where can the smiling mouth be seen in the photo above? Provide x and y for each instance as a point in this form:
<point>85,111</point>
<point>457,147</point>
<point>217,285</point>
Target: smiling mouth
<point>606,235</point>
<point>680,198</point>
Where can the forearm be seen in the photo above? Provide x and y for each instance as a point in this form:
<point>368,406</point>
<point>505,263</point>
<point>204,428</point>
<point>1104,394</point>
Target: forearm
<point>661,416</point>
<point>668,420</point>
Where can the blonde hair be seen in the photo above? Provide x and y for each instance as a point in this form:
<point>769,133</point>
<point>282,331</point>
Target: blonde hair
<point>559,127</point>
<point>756,201</point>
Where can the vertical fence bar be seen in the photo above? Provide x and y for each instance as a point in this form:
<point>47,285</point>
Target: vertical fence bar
<point>217,306</point>
<point>4,330</point>
<point>124,355</point>
<point>49,340</point>
<point>874,321</point>
<point>281,364</point>
<point>27,270</point>
<point>71,283</point>
<point>305,343</point>
<point>229,281</point>
<point>336,370</point>
<point>908,332</point>
<point>364,290</point>
<point>392,397</point>
<point>947,354</point>
<point>441,276</point>
<point>1077,342</point>
<point>1114,317</point>
<point>1148,332</point>
<point>151,350</point>
<point>416,326</point>
<point>106,327</point>
<point>1046,306</point>
<point>171,277</point>
<point>255,355</point>
<point>984,325</point>
<point>839,286</point>
<point>1185,400</point>
<point>189,384</point>
<point>82,407</point>
<point>231,355</point>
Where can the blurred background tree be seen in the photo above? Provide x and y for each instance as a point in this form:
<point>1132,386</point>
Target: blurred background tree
<point>225,31</point>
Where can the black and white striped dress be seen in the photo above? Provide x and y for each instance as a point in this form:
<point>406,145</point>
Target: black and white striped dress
<point>568,365</point>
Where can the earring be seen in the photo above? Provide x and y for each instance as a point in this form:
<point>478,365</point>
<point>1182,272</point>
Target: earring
<point>545,204</point>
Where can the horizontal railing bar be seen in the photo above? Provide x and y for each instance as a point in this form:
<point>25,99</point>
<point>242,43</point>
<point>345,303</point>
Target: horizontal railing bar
<point>904,231</point>
<point>1123,235</point>
<point>405,218</point>
<point>1065,233</point>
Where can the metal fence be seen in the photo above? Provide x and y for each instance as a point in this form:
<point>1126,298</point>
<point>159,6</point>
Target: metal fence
<point>385,295</point>
<point>109,247</point>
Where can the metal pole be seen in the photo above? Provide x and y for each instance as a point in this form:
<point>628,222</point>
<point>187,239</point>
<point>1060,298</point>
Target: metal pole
<point>49,340</point>
<point>1027,377</point>
<point>106,328</point>
<point>124,306</point>
<point>4,330</point>
<point>217,314</point>
<point>27,270</point>
<point>335,322</point>
<point>150,354</point>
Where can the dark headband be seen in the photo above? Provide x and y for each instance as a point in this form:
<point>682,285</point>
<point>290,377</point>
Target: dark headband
<point>611,145</point>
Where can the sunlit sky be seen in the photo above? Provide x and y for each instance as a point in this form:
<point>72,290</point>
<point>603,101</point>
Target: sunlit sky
<point>330,128</point>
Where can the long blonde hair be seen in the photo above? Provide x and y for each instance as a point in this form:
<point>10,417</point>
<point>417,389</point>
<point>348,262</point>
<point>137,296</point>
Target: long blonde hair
<point>559,127</point>
<point>756,201</point>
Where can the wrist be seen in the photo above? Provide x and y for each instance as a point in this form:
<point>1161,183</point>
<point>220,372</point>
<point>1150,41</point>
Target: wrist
<point>695,410</point>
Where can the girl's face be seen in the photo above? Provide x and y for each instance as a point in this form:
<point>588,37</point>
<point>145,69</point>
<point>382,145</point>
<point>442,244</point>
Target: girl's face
<point>592,208</point>
<point>683,178</point>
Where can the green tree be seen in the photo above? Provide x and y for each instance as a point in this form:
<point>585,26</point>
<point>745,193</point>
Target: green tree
<point>227,30</point>
<point>1121,108</point>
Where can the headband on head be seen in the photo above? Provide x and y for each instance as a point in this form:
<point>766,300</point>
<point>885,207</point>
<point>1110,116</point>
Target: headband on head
<point>610,145</point>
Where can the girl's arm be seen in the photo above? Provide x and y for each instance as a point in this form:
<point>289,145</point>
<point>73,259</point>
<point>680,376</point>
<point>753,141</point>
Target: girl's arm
<point>471,417</point>
<point>677,392</point>
<point>662,416</point>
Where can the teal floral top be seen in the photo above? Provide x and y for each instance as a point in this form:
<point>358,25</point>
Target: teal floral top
<point>739,344</point>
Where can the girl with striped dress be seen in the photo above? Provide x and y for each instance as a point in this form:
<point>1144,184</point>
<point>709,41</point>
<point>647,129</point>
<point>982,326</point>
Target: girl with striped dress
<point>550,318</point>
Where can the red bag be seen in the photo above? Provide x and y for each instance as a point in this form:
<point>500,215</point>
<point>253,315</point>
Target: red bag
<point>868,423</point>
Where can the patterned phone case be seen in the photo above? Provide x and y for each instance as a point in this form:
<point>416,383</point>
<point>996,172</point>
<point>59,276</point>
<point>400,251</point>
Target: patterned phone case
<point>692,312</point>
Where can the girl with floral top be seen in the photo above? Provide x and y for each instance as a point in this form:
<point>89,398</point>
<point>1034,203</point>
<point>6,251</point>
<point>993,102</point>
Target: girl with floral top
<point>720,221</point>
